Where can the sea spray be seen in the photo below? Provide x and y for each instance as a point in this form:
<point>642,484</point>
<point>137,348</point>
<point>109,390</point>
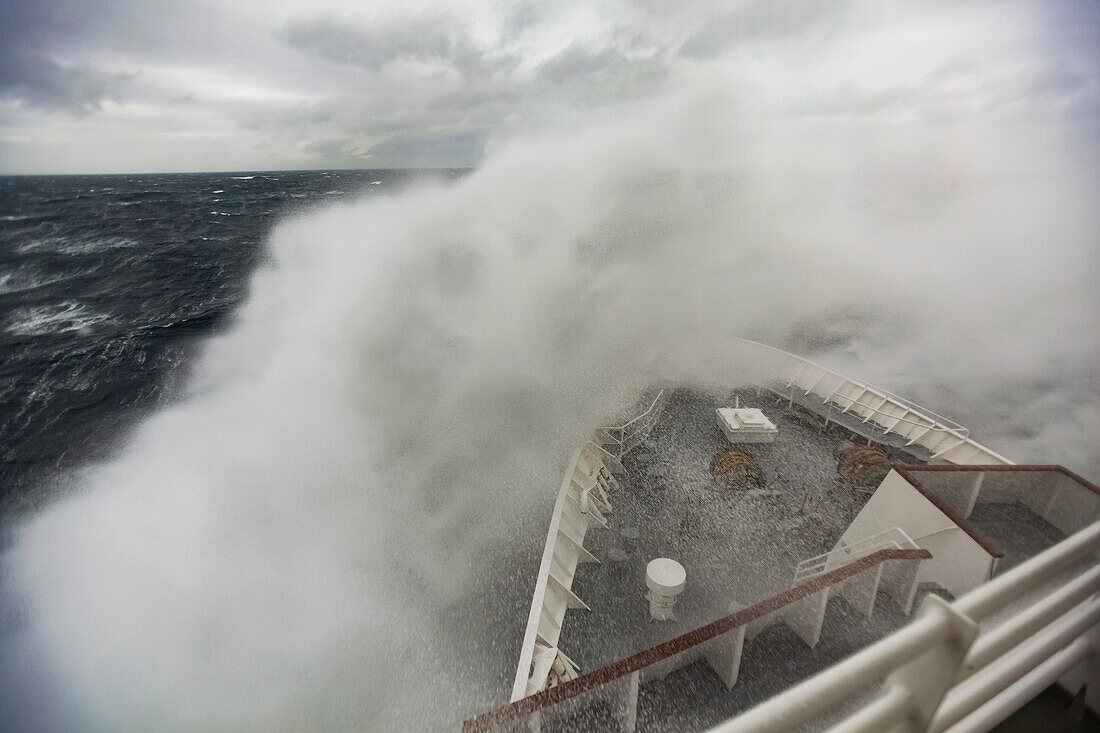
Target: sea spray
<point>356,485</point>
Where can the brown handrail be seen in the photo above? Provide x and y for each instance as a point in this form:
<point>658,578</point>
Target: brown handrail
<point>907,471</point>
<point>995,468</point>
<point>616,670</point>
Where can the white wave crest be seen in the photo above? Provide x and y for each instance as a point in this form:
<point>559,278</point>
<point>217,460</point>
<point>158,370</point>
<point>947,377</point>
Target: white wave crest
<point>55,318</point>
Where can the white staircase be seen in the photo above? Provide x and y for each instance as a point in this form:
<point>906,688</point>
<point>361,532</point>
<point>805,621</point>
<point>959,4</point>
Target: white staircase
<point>618,440</point>
<point>891,538</point>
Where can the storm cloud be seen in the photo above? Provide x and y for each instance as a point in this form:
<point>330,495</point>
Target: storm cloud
<point>37,80</point>
<point>148,85</point>
<point>31,33</point>
<point>434,39</point>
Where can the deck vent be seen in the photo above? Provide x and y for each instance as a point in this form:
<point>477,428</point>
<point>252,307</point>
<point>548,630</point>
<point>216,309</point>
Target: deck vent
<point>665,578</point>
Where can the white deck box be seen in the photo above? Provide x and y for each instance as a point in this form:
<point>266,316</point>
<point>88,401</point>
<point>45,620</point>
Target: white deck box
<point>746,425</point>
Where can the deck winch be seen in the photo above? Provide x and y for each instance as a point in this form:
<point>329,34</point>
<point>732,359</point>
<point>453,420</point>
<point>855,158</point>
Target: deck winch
<point>737,469</point>
<point>862,467</point>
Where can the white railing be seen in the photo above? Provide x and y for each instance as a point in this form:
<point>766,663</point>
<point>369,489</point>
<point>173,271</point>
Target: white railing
<point>581,504</point>
<point>621,439</point>
<point>956,666</point>
<point>891,538</point>
<point>943,438</point>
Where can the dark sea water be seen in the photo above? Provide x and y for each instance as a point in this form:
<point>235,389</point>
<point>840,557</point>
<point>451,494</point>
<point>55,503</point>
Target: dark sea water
<point>106,285</point>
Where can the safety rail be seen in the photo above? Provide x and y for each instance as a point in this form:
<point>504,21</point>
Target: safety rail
<point>626,437</point>
<point>891,538</point>
<point>945,671</point>
<point>720,642</point>
<point>1053,493</point>
<point>935,438</point>
<point>581,504</point>
<point>943,438</point>
<point>806,364</point>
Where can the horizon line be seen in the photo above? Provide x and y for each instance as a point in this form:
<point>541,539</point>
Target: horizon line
<point>256,170</point>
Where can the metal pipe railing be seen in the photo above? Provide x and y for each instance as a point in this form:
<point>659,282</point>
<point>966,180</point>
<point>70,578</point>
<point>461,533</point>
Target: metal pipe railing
<point>641,423</point>
<point>892,537</point>
<point>1024,690</point>
<point>887,711</point>
<point>639,416</point>
<point>864,669</point>
<point>900,401</point>
<point>818,694</point>
<point>994,679</point>
<point>937,424</point>
<point>993,644</point>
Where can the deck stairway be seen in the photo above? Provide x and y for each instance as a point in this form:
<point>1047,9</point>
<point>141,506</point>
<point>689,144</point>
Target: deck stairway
<point>618,440</point>
<point>864,597</point>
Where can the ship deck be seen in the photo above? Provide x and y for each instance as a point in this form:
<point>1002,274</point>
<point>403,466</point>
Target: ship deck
<point>739,547</point>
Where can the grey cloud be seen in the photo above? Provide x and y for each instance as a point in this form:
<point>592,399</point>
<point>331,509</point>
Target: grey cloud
<point>578,59</point>
<point>331,41</point>
<point>40,81</point>
<point>607,70</point>
<point>760,20</point>
<point>516,17</point>
<point>29,33</point>
<point>38,24</point>
<point>282,119</point>
<point>847,100</point>
<point>1049,90</point>
<point>338,152</point>
<point>473,98</point>
<point>1056,80</point>
<point>177,29</point>
<point>450,148</point>
<point>1085,107</point>
<point>424,38</point>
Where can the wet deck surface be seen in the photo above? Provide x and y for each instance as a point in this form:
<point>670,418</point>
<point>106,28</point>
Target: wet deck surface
<point>736,546</point>
<point>1016,530</point>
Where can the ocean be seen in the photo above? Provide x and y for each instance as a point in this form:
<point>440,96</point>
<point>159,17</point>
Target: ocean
<point>107,286</point>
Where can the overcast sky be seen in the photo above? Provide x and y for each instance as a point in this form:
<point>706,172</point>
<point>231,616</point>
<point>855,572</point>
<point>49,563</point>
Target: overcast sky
<point>180,85</point>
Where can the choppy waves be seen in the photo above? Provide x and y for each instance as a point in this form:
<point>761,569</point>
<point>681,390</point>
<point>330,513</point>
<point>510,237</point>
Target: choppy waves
<point>54,318</point>
<point>66,245</point>
<point>25,277</point>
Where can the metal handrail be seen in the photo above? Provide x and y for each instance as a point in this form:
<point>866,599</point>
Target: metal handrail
<point>618,435</point>
<point>622,428</point>
<point>962,433</point>
<point>866,668</point>
<point>901,401</point>
<point>819,564</point>
<point>937,426</point>
<point>522,708</point>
